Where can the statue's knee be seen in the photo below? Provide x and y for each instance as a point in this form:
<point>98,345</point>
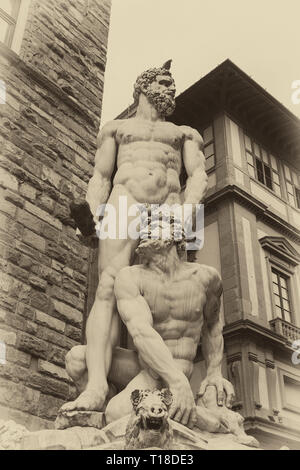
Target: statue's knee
<point>111,412</point>
<point>75,361</point>
<point>77,353</point>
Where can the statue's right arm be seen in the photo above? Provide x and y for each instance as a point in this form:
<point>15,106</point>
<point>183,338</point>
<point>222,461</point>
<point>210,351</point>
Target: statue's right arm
<point>99,186</point>
<point>137,317</point>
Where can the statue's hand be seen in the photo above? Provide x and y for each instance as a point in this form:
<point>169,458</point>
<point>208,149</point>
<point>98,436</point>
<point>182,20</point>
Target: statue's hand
<point>183,408</point>
<point>222,386</point>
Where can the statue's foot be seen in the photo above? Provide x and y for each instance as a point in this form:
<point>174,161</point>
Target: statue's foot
<point>89,400</point>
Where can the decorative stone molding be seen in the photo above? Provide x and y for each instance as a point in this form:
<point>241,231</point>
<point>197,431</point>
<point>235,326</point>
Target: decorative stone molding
<point>281,248</point>
<point>259,208</point>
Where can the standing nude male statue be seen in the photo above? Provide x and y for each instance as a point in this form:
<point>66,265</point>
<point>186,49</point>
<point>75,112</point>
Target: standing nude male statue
<point>149,153</point>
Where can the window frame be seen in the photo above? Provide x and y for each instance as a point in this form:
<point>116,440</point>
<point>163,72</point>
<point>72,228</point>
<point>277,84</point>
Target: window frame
<point>280,275</point>
<point>297,191</point>
<point>11,20</point>
<point>289,180</point>
<point>207,144</point>
<point>183,174</point>
<point>265,162</point>
<point>292,377</point>
<point>288,272</point>
<point>283,258</point>
<point>17,32</point>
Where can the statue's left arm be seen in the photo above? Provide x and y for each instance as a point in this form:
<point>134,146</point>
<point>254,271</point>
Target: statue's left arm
<point>213,343</point>
<point>194,162</point>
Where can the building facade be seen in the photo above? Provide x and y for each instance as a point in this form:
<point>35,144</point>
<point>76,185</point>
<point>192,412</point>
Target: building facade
<point>52,63</point>
<point>252,236</point>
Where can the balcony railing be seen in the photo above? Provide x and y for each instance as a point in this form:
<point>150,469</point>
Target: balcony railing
<point>287,330</point>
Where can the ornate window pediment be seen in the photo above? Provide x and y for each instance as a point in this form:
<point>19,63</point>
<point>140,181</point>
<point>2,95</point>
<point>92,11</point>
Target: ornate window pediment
<point>281,248</point>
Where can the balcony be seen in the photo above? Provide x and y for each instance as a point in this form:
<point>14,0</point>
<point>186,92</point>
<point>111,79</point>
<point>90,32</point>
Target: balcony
<point>284,328</point>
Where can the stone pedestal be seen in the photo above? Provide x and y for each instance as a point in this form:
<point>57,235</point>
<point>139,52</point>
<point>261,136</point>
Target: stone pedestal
<point>111,437</point>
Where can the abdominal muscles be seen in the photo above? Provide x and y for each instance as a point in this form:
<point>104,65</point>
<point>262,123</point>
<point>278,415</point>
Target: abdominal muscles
<point>183,351</point>
<point>148,177</point>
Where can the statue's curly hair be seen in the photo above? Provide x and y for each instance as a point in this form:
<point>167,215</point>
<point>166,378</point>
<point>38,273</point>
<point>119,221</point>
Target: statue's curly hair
<point>177,231</point>
<point>146,78</point>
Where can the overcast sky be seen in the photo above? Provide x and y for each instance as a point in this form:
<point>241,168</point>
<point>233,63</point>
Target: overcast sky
<point>262,37</point>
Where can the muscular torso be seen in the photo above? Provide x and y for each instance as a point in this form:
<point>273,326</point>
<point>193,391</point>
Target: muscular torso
<point>149,159</point>
<point>177,309</point>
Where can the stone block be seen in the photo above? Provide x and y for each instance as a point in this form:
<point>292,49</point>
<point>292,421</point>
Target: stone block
<point>18,357</point>
<point>27,191</point>
<point>19,396</point>
<point>8,337</point>
<point>53,323</point>
<point>65,296</point>
<point>7,180</point>
<point>51,440</point>
<point>13,198</point>
<point>56,372</point>
<point>37,282</point>
<point>75,438</point>
<point>17,273</point>
<point>48,385</point>
<point>49,406</point>
<point>54,337</point>
<point>73,333</point>
<point>33,345</point>
<point>42,215</point>
<point>93,419</point>
<point>34,240</point>
<point>29,220</point>
<point>56,252</point>
<point>8,208</point>
<point>40,300</point>
<point>50,177</point>
<point>66,313</point>
<point>50,232</point>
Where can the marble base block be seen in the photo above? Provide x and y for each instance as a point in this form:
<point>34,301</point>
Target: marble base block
<point>69,419</point>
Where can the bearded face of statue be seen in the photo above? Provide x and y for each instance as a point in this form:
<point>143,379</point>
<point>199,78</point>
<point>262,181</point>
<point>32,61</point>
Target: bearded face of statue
<point>159,236</point>
<point>161,94</point>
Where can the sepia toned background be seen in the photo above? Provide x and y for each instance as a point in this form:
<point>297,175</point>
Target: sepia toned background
<point>261,37</point>
<point>52,62</point>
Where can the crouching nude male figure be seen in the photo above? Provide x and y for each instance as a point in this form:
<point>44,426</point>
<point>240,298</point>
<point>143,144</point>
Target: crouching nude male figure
<point>167,304</point>
<point>148,154</point>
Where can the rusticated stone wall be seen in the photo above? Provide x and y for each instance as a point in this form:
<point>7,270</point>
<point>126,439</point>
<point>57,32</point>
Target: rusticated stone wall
<point>48,134</point>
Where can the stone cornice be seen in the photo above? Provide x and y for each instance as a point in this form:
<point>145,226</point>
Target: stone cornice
<point>290,429</point>
<point>247,327</point>
<point>280,248</point>
<point>261,210</point>
<point>41,79</point>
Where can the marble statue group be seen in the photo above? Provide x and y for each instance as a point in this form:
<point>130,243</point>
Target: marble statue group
<point>166,303</point>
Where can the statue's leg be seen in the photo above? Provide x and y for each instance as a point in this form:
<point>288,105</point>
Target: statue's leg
<point>103,325</point>
<point>120,405</point>
<point>76,366</point>
<point>125,366</point>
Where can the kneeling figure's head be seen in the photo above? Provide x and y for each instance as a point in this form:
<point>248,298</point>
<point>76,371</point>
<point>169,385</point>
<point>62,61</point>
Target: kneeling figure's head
<point>148,425</point>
